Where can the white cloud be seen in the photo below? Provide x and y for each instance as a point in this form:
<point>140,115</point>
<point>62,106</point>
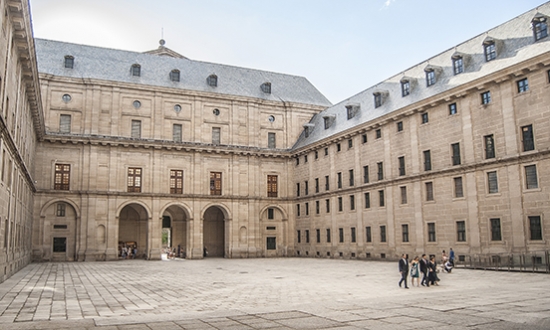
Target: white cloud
<point>387,3</point>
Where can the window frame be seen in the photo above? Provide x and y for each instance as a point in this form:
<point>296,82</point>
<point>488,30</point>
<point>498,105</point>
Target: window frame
<point>175,75</point>
<point>382,198</point>
<point>496,229</point>
<point>461,231</point>
<point>383,234</point>
<point>455,158</point>
<point>401,168</point>
<point>535,228</point>
<point>431,232</point>
<point>403,191</point>
<point>424,118</point>
<point>176,182</point>
<point>540,29</point>
<point>272,185</point>
<point>405,233</point>
<point>62,176</point>
<point>522,85</point>
<point>531,177</point>
<point>490,51</point>
<point>485,98</point>
<point>69,62</point>
<point>458,65</point>
<point>527,138</point>
<point>429,191</point>
<point>492,182</point>
<point>177,132</point>
<point>134,179</point>
<point>271,140</point>
<point>430,78</point>
<point>427,160</point>
<point>453,109</point>
<point>405,88</point>
<point>367,199</point>
<point>135,70</point>
<point>458,187</point>
<point>216,183</point>
<point>489,142</point>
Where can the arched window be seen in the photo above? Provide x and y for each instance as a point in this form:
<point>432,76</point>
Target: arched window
<point>69,62</point>
<point>175,75</point>
<point>136,70</point>
<point>266,87</point>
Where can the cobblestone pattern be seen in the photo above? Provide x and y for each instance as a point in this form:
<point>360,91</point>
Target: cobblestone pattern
<point>266,294</point>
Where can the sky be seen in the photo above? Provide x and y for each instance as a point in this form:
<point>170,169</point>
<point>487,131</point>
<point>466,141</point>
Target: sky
<point>341,46</point>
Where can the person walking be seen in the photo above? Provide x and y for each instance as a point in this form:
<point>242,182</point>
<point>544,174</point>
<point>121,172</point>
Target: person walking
<point>415,272</point>
<point>424,269</point>
<point>452,257</point>
<point>404,270</point>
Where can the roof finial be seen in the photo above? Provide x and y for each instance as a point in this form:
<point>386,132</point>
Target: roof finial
<point>162,41</point>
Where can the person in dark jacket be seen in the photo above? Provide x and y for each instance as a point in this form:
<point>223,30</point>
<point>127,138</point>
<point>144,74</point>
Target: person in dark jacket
<point>424,270</point>
<point>404,270</point>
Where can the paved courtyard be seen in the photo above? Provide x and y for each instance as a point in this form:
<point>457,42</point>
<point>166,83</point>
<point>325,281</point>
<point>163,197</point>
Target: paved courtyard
<point>271,294</point>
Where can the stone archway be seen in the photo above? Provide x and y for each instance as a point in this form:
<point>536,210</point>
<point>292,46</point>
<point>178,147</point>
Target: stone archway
<point>132,228</point>
<point>214,231</point>
<point>60,231</point>
<point>175,221</point>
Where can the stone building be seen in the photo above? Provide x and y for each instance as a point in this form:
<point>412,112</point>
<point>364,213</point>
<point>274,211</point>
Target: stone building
<point>103,148</point>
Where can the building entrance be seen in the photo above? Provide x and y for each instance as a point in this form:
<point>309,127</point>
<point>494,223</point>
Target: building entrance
<point>214,232</point>
<point>132,229</point>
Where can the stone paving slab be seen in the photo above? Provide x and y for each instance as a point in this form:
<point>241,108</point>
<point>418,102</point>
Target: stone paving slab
<point>291,293</point>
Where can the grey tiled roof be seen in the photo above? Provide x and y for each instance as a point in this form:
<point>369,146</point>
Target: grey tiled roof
<point>515,44</point>
<point>114,65</point>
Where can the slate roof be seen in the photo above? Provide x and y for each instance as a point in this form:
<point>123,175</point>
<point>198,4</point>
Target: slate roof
<point>515,44</point>
<point>114,65</point>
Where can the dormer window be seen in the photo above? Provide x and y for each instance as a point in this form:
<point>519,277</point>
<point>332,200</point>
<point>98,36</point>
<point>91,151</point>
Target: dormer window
<point>458,63</point>
<point>430,77</point>
<point>328,120</point>
<point>490,49</point>
<point>212,80</point>
<point>377,100</point>
<point>539,25</point>
<point>266,87</point>
<point>352,109</point>
<point>69,62</point>
<point>175,75</point>
<point>308,128</point>
<point>406,86</point>
<point>136,70</point>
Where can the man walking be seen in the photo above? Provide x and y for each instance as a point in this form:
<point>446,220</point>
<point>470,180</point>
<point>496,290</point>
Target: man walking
<point>404,270</point>
<point>424,270</point>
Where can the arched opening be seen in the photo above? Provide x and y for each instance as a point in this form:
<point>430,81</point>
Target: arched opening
<point>273,228</point>
<point>60,230</point>
<point>214,232</point>
<point>174,231</point>
<point>132,231</point>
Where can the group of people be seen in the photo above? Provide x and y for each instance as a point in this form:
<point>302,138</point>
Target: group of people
<point>128,251</point>
<point>427,267</point>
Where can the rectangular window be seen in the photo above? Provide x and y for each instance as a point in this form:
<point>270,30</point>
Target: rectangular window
<point>492,182</point>
<point>486,97</point>
<point>353,235</point>
<point>176,133</point>
<point>297,161</point>
<point>458,187</point>
<point>399,126</point>
<point>318,232</point>
<point>65,124</point>
<point>403,195</point>
<point>341,235</point>
<point>338,147</point>
<point>298,213</point>
<point>496,233</point>
<point>378,133</point>
<point>365,174</point>
<point>60,211</point>
<point>216,135</point>
<point>351,178</point>
<point>405,233</point>
<point>427,160</point>
<point>134,179</point>
<point>364,138</point>
<point>350,143</point>
<point>317,207</point>
<point>368,233</point>
<point>299,236</point>
<point>540,28</point>
<point>298,189</point>
<point>531,180</point>
<point>430,78</point>
<point>316,185</point>
<point>424,118</point>
<point>272,186</point>
<point>489,146</point>
<point>176,182</point>
<point>535,228</point>
<point>136,129</point>
<point>307,208</point>
<point>490,51</point>
<point>429,191</point>
<point>458,65</point>
<point>381,196</point>
<point>316,154</point>
<point>461,231</point>
<point>377,100</point>
<point>305,158</point>
<point>62,177</point>
<point>306,187</point>
<point>328,235</point>
<point>456,153</point>
<point>452,109</point>
<point>405,88</point>
<point>339,175</point>
<point>271,142</point>
<point>350,112</point>
<point>382,234</point>
<point>215,183</point>
<point>527,138</point>
<point>367,200</point>
<point>523,85</point>
<point>431,232</point>
<point>340,204</point>
<point>327,205</point>
<point>380,173</point>
<point>270,214</point>
<point>326,151</point>
<point>326,122</point>
<point>401,165</point>
<point>352,202</point>
<point>271,243</point>
<point>327,184</point>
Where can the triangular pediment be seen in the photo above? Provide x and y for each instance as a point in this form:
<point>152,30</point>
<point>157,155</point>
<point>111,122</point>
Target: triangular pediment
<point>165,51</point>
